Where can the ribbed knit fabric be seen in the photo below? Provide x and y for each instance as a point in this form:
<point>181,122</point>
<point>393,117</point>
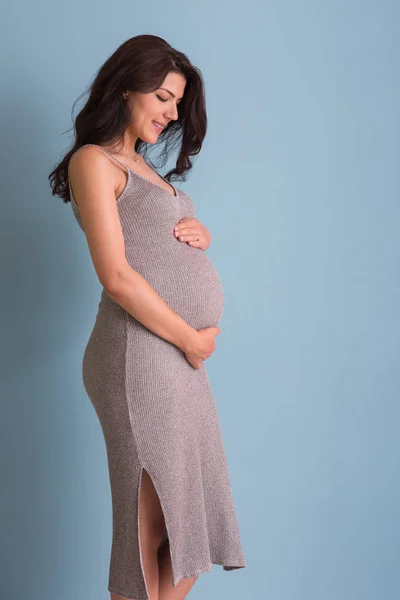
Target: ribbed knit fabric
<point>156,411</point>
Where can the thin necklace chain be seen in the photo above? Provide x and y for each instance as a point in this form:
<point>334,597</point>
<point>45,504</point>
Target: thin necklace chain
<point>135,158</point>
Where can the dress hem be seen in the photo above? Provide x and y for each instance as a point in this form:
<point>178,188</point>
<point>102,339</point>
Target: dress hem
<point>201,571</point>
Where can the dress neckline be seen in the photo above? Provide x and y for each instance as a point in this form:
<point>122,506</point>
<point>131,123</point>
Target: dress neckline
<point>156,184</point>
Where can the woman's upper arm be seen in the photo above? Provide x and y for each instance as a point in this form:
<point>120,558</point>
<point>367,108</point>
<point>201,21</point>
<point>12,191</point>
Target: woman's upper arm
<point>93,181</point>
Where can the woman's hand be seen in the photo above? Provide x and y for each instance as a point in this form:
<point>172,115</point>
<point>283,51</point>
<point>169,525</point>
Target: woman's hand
<point>204,346</point>
<point>193,232</point>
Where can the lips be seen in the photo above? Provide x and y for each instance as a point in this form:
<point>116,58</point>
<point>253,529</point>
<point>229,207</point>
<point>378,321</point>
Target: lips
<point>159,126</point>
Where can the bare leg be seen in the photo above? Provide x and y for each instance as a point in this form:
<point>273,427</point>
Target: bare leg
<point>151,523</point>
<point>166,591</point>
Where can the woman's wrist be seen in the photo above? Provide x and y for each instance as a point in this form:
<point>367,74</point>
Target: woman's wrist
<point>187,341</point>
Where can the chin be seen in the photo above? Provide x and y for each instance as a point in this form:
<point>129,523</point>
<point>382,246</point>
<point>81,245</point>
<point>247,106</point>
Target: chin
<point>149,139</point>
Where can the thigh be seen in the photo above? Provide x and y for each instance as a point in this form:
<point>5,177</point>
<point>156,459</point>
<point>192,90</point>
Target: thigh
<point>151,518</point>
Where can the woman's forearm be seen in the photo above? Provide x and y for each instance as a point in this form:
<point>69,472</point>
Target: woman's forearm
<point>133,293</point>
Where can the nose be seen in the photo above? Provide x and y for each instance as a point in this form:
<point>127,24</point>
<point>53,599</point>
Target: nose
<point>172,113</point>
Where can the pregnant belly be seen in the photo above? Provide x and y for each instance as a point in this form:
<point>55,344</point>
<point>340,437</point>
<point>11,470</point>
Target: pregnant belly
<point>186,280</point>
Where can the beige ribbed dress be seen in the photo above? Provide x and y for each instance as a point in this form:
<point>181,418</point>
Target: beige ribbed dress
<point>156,411</point>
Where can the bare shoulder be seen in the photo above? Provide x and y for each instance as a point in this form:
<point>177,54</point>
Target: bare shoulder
<point>89,160</point>
<point>92,172</point>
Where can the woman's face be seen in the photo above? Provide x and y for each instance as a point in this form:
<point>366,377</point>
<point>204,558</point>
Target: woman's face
<point>159,106</point>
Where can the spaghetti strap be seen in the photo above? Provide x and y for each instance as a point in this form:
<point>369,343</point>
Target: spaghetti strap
<point>110,155</point>
<point>128,170</point>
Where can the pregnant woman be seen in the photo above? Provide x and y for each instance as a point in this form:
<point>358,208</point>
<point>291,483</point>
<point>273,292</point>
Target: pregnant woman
<point>144,364</point>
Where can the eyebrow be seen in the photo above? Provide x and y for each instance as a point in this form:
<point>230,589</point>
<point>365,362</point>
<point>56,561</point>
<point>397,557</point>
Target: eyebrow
<point>173,95</point>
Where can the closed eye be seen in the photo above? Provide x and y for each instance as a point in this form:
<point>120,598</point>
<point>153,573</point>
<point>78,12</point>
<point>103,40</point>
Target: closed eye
<point>166,99</point>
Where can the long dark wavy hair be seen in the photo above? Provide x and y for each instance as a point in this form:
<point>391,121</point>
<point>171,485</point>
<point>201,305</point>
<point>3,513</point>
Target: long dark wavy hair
<point>140,64</point>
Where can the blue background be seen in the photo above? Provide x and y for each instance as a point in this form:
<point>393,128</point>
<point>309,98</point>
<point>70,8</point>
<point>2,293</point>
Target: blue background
<point>298,182</point>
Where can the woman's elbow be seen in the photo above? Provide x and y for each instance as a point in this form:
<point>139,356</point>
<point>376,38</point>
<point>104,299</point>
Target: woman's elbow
<point>115,283</point>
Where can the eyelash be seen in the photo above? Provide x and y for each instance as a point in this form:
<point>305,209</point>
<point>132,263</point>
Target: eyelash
<point>163,100</point>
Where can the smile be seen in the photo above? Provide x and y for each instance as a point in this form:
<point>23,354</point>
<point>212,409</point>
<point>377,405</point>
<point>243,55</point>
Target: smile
<point>158,126</point>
